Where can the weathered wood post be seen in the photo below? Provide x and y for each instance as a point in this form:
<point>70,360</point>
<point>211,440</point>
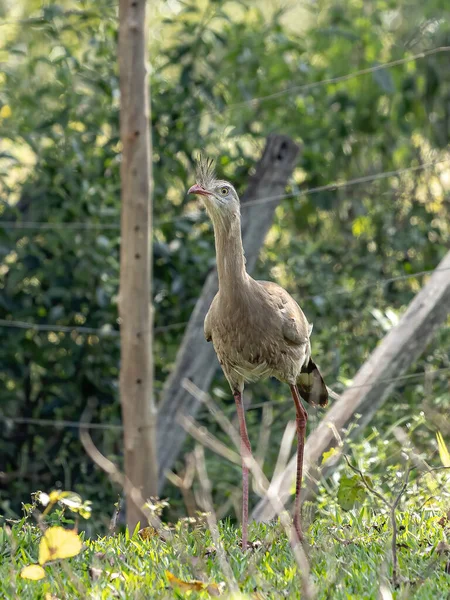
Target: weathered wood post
<point>136,369</point>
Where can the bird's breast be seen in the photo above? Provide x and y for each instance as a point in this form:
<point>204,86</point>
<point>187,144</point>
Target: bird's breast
<point>251,347</point>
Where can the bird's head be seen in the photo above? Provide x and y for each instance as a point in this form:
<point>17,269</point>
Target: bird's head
<point>219,196</point>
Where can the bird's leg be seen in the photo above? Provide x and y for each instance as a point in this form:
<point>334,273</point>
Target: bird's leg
<point>302,417</point>
<point>246,452</point>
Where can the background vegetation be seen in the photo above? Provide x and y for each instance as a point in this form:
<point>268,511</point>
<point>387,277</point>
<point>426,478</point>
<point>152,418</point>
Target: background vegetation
<point>333,250</point>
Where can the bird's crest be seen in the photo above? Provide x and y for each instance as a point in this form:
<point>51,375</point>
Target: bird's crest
<point>205,171</point>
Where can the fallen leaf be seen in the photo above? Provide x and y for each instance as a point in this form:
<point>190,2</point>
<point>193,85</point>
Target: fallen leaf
<point>95,573</point>
<point>442,547</point>
<point>58,542</point>
<point>213,589</point>
<point>34,572</point>
<point>146,533</point>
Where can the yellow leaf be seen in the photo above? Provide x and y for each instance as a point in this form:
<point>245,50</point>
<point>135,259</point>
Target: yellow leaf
<point>328,454</point>
<point>55,496</point>
<point>360,225</point>
<point>5,111</point>
<point>34,572</point>
<point>58,542</point>
<point>77,126</point>
<point>443,450</point>
<point>214,589</point>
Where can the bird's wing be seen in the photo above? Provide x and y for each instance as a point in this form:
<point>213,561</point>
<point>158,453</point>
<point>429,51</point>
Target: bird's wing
<point>207,327</point>
<point>295,327</point>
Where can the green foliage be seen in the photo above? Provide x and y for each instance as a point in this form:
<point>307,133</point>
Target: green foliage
<point>59,162</point>
<point>351,491</point>
<point>349,554</point>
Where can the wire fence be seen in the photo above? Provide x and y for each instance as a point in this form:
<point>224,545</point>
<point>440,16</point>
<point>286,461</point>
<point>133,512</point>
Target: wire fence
<point>329,187</point>
<point>410,379</point>
<point>108,331</point>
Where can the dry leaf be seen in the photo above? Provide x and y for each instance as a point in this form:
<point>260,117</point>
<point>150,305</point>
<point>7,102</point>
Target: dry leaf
<point>213,589</point>
<point>442,547</point>
<point>58,542</point>
<point>95,573</point>
<point>147,533</point>
<point>34,572</point>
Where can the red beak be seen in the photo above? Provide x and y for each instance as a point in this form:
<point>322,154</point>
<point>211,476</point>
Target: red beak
<point>197,189</point>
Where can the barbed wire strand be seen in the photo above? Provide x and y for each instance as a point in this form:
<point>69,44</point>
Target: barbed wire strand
<point>44,225</point>
<point>108,332</point>
<point>62,423</point>
<point>105,331</point>
<point>309,86</point>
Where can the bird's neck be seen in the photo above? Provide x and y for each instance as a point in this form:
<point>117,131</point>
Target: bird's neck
<point>229,254</point>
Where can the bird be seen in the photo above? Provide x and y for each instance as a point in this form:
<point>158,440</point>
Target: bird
<point>257,329</point>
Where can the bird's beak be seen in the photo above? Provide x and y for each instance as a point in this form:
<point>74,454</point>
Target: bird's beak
<point>197,189</point>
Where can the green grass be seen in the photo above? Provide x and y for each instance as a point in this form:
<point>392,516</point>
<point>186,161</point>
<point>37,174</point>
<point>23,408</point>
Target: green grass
<point>349,553</point>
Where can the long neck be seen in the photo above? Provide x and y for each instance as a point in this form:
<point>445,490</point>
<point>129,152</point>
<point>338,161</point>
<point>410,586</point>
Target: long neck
<point>229,253</point>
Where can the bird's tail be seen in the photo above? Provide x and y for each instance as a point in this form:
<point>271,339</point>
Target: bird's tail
<point>311,386</point>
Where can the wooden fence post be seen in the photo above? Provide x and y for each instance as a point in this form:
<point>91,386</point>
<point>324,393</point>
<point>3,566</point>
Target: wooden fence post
<point>136,369</point>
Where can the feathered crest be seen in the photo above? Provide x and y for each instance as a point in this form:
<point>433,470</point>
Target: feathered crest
<point>205,171</point>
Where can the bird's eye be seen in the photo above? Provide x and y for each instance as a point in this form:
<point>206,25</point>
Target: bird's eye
<point>224,191</point>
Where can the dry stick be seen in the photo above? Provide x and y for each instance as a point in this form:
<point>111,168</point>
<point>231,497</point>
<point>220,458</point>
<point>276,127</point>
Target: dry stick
<point>264,435</point>
<point>308,590</point>
<point>207,439</point>
<point>115,475</point>
<point>185,484</point>
<point>210,517</point>
<point>285,448</point>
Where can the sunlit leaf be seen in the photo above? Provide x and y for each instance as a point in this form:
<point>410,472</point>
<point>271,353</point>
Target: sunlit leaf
<point>213,589</point>
<point>351,491</point>
<point>443,450</point>
<point>34,572</point>
<point>58,542</point>
<point>5,111</point>
<point>329,454</point>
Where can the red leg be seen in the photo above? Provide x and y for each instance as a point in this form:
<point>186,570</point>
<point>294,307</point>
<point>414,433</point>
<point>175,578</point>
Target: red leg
<point>302,417</point>
<point>246,451</point>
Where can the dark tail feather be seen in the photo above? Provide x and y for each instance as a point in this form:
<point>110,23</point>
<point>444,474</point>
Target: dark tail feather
<point>311,386</point>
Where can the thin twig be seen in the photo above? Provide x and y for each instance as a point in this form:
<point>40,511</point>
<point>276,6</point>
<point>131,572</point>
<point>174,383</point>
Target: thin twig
<point>210,516</point>
<point>115,475</point>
